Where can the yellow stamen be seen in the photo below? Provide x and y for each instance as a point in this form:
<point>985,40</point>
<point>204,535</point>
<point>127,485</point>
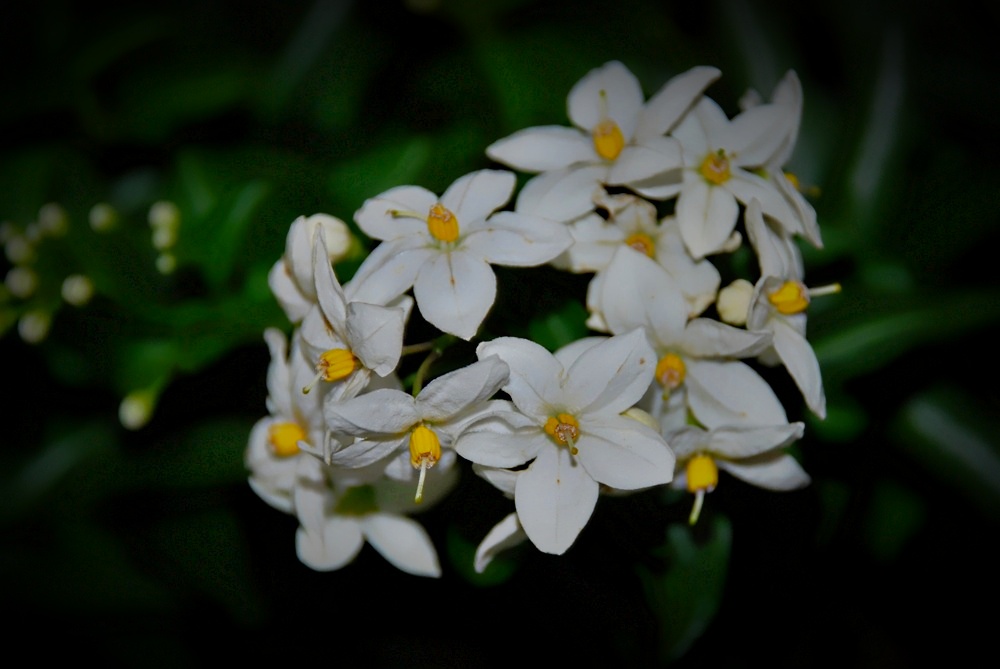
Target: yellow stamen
<point>670,371</point>
<point>715,168</point>
<point>564,430</point>
<point>442,224</point>
<point>284,439</point>
<point>425,451</point>
<point>791,298</point>
<point>794,180</point>
<point>334,365</point>
<point>642,243</point>
<point>608,139</point>
<point>702,477</point>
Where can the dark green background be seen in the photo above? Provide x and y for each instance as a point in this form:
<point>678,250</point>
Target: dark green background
<point>147,548</point>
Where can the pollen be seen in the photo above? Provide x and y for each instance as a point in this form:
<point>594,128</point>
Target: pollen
<point>608,139</point>
<point>425,451</point>
<point>442,224</point>
<point>715,168</point>
<point>642,243</point>
<point>791,298</point>
<point>284,439</point>
<point>670,371</point>
<point>564,430</point>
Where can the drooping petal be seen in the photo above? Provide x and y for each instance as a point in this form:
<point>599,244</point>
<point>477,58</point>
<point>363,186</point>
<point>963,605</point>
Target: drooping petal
<point>375,335</point>
<point>775,253</point>
<point>330,547</point>
<point>799,359</point>
<point>518,240</point>
<point>612,375</point>
<point>377,220</point>
<point>449,394</point>
<point>623,453</point>
<point>329,293</point>
<point>561,195</point>
<point>609,91</point>
<point>706,214</point>
<point>381,412</point>
<point>389,270</point>
<point>543,148</point>
<point>746,186</point>
<point>669,104</point>
<point>778,471</point>
<point>638,162</point>
<point>554,498</point>
<point>279,401</point>
<point>476,195</point>
<point>403,542</point>
<point>288,293</point>
<point>505,534</point>
<point>707,338</point>
<point>730,392</point>
<point>455,291</point>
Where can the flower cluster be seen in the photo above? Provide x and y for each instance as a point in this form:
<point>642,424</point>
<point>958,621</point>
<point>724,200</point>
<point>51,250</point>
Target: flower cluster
<point>642,194</point>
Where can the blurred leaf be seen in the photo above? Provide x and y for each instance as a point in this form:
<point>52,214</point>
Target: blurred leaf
<point>896,514</point>
<point>953,434</point>
<point>203,455</point>
<point>394,162</point>
<point>561,327</point>
<point>686,595</point>
<point>462,554</point>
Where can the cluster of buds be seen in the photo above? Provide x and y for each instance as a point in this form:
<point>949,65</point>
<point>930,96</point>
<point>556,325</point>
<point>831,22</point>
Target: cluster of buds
<point>644,195</point>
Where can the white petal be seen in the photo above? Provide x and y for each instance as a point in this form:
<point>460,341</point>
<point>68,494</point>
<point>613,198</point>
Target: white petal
<point>773,472</point>
<point>734,443</point>
<point>478,194</point>
<point>639,162</point>
<point>279,399</point>
<point>403,542</point>
<point>288,293</point>
<point>380,412</point>
<point>612,375</point>
<point>774,254</point>
<point>451,393</point>
<point>332,547</point>
<point>666,107</point>
<point>594,242</point>
<point>730,392</point>
<point>637,292</point>
<point>535,375</point>
<point>375,335</point>
<point>567,355</point>
<point>799,359</point>
<point>388,271</point>
<point>543,148</point>
<point>624,454</point>
<point>757,133</point>
<point>492,449</point>
<point>375,217</point>
<point>745,186</point>
<point>505,534</point>
<point>365,452</point>
<point>561,195</point>
<point>610,91</point>
<point>707,338</point>
<point>518,240</point>
<point>555,498</point>
<point>805,212</point>
<point>706,214</point>
<point>455,291</point>
<point>503,480</point>
<point>329,292</point>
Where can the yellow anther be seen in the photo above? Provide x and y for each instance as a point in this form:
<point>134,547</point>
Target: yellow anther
<point>334,365</point>
<point>670,371</point>
<point>608,139</point>
<point>715,168</point>
<point>642,243</point>
<point>564,430</point>
<point>284,439</point>
<point>425,451</point>
<point>791,298</point>
<point>702,473</point>
<point>794,180</point>
<point>442,224</point>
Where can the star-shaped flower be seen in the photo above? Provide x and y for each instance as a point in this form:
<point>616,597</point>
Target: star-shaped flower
<point>570,433</point>
<point>443,247</point>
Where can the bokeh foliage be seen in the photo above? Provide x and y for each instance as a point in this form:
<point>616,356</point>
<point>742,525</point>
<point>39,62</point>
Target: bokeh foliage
<point>146,546</point>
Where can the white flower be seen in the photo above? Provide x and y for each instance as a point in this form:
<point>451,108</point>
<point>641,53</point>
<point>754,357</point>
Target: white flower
<point>444,247</point>
<point>415,432</point>
<point>569,430</point>
<point>695,358</point>
<point>336,520</point>
<point>752,454</point>
<point>617,138</point>
<point>291,277</point>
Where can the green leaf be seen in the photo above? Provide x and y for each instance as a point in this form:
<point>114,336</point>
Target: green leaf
<point>203,455</point>
<point>685,596</point>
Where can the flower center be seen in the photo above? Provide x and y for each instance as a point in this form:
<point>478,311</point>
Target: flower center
<point>608,139</point>
<point>284,439</point>
<point>791,298</point>
<point>642,243</point>
<point>442,224</point>
<point>670,371</point>
<point>715,168</point>
<point>564,430</point>
<point>425,451</point>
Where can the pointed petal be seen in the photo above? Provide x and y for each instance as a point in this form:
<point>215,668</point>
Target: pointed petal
<point>279,399</point>
<point>518,240</point>
<point>624,454</point>
<point>772,472</point>
<point>336,544</point>
<point>707,338</point>
<point>505,534</point>
<point>478,194</point>
<point>736,443</point>
<point>535,375</point>
<point>493,449</point>
<point>382,412</point>
<point>774,255</point>
<point>388,271</point>
<point>375,335</point>
<point>452,393</point>
<point>666,107</point>
<point>554,498</point>
<point>637,292</point>
<point>403,542</point>
<point>329,293</point>
<point>455,291</point>
<point>706,214</point>
<point>365,452</point>
<point>758,133</point>
<point>561,195</point>
<point>638,162</point>
<point>375,217</point>
<point>609,91</point>
<point>611,376</point>
<point>745,186</point>
<point>543,148</point>
<point>503,480</point>
<point>730,392</point>
<point>800,360</point>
